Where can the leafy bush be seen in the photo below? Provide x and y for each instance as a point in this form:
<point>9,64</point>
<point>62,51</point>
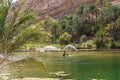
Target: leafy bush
<point>76,45</point>
<point>82,38</point>
<point>100,44</point>
<point>113,45</point>
<point>89,44</point>
<point>117,45</point>
<point>65,38</point>
<point>110,45</point>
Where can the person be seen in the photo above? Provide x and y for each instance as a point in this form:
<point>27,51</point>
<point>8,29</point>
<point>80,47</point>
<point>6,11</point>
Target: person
<point>65,54</point>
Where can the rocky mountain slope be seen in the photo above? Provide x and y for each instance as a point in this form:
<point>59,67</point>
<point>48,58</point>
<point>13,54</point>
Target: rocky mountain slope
<point>53,8</point>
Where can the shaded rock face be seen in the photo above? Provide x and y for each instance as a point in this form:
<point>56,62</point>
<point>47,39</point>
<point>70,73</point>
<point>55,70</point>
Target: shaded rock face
<point>53,8</point>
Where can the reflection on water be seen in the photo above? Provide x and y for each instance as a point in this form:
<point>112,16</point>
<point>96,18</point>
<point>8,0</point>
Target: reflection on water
<point>79,66</point>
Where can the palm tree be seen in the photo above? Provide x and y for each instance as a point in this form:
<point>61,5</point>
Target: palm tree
<point>101,3</point>
<point>92,9</point>
<point>54,31</point>
<point>68,23</point>
<point>112,13</point>
<point>80,11</point>
<point>114,29</point>
<point>4,8</point>
<point>100,36</point>
<point>16,31</point>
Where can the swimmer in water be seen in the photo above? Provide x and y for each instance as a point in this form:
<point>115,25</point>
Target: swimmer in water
<point>65,54</point>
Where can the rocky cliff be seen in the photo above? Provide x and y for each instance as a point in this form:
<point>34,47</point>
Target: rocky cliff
<point>53,8</point>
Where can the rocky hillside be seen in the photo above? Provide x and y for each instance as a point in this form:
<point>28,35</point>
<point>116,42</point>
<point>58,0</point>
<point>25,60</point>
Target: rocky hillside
<point>53,8</point>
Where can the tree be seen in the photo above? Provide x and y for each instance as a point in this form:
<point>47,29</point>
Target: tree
<point>65,38</point>
<point>15,31</point>
<point>101,3</point>
<point>55,29</point>
<point>80,11</point>
<point>67,24</point>
<point>114,28</point>
<point>100,38</point>
<point>111,13</point>
<point>52,26</point>
<point>92,10</point>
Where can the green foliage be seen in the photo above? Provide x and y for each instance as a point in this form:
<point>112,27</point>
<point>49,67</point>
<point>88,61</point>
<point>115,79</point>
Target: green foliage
<point>80,11</point>
<point>78,46</point>
<point>111,13</point>
<point>4,7</point>
<point>52,27</point>
<point>92,9</point>
<point>117,45</point>
<point>17,30</point>
<point>100,38</point>
<point>101,33</point>
<point>110,45</point>
<point>82,38</point>
<point>65,38</point>
<point>101,3</point>
<point>99,20</point>
<point>100,44</point>
<point>90,44</point>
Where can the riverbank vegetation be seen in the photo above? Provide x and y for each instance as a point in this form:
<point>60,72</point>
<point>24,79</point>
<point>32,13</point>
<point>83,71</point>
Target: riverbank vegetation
<point>91,26</point>
<point>94,26</point>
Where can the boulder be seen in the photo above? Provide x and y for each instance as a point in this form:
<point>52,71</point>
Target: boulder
<point>40,50</point>
<point>70,48</point>
<point>50,49</point>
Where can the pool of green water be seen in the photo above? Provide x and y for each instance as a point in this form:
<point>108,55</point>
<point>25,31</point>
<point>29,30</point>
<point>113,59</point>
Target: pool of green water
<point>86,65</point>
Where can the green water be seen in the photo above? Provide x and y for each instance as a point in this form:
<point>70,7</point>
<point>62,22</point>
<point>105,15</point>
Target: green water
<point>88,65</point>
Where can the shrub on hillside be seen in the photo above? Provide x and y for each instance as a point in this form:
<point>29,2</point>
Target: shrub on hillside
<point>82,38</point>
<point>90,44</point>
<point>65,38</point>
<point>77,45</point>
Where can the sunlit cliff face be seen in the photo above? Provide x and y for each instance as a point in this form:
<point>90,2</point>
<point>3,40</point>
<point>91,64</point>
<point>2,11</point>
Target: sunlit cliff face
<point>53,8</point>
